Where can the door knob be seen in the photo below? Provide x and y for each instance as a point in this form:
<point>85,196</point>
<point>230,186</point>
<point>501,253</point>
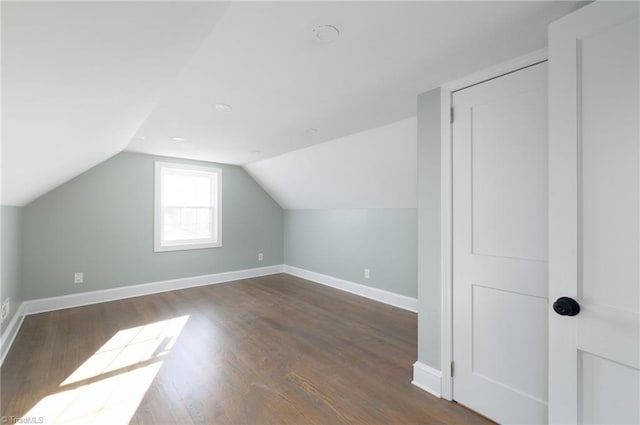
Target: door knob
<point>566,306</point>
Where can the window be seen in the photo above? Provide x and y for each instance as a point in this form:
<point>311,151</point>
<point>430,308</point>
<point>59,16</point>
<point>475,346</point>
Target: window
<point>187,207</point>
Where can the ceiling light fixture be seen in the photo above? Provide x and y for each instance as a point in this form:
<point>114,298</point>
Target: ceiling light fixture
<point>312,130</point>
<point>178,139</point>
<point>326,33</point>
<point>223,107</point>
<point>256,151</point>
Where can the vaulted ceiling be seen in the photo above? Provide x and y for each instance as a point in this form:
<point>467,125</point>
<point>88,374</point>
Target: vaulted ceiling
<point>79,78</point>
<point>375,168</point>
<point>84,80</point>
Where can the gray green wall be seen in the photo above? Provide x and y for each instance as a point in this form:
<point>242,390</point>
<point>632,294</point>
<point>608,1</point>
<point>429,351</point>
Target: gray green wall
<point>101,223</point>
<point>11,259</point>
<point>429,293</point>
<point>342,243</point>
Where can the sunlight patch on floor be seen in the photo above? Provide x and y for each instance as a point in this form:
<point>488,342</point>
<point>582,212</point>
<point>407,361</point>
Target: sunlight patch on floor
<point>109,386</point>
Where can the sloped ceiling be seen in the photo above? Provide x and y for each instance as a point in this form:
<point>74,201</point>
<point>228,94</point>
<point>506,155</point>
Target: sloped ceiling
<point>262,60</point>
<point>371,169</point>
<point>84,80</point>
<point>78,79</point>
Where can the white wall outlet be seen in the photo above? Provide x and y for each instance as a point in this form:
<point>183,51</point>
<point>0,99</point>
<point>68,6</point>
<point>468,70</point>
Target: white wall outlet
<point>4,311</point>
<point>78,277</point>
<point>260,257</point>
<point>367,273</point>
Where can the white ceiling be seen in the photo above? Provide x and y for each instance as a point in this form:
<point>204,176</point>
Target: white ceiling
<point>261,59</point>
<point>372,169</point>
<point>78,80</point>
<point>83,81</point>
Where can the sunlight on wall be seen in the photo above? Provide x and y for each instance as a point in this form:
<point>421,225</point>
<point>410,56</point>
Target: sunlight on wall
<point>109,386</point>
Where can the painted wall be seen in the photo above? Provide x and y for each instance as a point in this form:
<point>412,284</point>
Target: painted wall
<point>11,259</point>
<point>343,242</point>
<point>350,204</point>
<point>101,223</point>
<point>429,293</point>
<point>371,169</point>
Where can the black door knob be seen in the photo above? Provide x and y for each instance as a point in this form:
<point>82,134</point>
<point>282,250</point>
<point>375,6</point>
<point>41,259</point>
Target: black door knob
<point>566,306</point>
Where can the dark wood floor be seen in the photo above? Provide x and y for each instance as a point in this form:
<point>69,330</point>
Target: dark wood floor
<point>270,350</point>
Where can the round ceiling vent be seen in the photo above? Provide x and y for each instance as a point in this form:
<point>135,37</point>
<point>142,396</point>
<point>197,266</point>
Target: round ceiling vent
<point>325,33</point>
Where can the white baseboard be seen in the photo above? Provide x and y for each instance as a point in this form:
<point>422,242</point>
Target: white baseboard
<point>43,305</point>
<point>94,297</point>
<point>396,300</point>
<point>427,378</point>
<point>9,334</point>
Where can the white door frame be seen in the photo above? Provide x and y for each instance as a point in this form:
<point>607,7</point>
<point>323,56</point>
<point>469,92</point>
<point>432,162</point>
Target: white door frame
<point>446,196</point>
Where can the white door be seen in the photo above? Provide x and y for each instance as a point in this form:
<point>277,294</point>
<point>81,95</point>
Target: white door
<point>594,215</point>
<point>500,246</point>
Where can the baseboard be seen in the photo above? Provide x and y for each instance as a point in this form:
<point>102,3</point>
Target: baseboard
<point>94,297</point>
<point>9,334</point>
<point>396,300</point>
<point>427,378</point>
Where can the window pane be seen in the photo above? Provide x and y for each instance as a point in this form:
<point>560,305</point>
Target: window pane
<point>181,190</point>
<point>187,223</point>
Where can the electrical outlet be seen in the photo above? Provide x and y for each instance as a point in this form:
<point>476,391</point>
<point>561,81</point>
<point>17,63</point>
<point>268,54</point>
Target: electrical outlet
<point>367,274</point>
<point>260,257</point>
<point>78,277</point>
<point>4,311</point>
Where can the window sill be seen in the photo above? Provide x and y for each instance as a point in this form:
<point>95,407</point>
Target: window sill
<point>185,247</point>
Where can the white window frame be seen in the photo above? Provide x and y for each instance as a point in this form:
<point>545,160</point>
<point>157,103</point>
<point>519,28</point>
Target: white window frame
<point>159,244</point>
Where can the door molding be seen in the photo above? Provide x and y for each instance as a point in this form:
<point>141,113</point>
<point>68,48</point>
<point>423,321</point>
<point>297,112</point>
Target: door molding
<point>446,197</point>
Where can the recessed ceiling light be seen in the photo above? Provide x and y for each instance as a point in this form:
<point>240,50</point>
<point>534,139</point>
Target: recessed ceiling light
<point>178,139</point>
<point>256,151</point>
<point>223,107</point>
<point>312,130</point>
<point>326,33</point>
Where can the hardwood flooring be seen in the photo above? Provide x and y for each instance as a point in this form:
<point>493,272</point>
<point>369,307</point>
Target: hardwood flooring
<point>269,350</point>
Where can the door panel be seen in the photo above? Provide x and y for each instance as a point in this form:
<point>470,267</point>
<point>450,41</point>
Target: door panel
<point>508,222</point>
<point>499,246</point>
<point>609,168</point>
<point>610,391</point>
<point>501,362</point>
<point>594,213</point>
